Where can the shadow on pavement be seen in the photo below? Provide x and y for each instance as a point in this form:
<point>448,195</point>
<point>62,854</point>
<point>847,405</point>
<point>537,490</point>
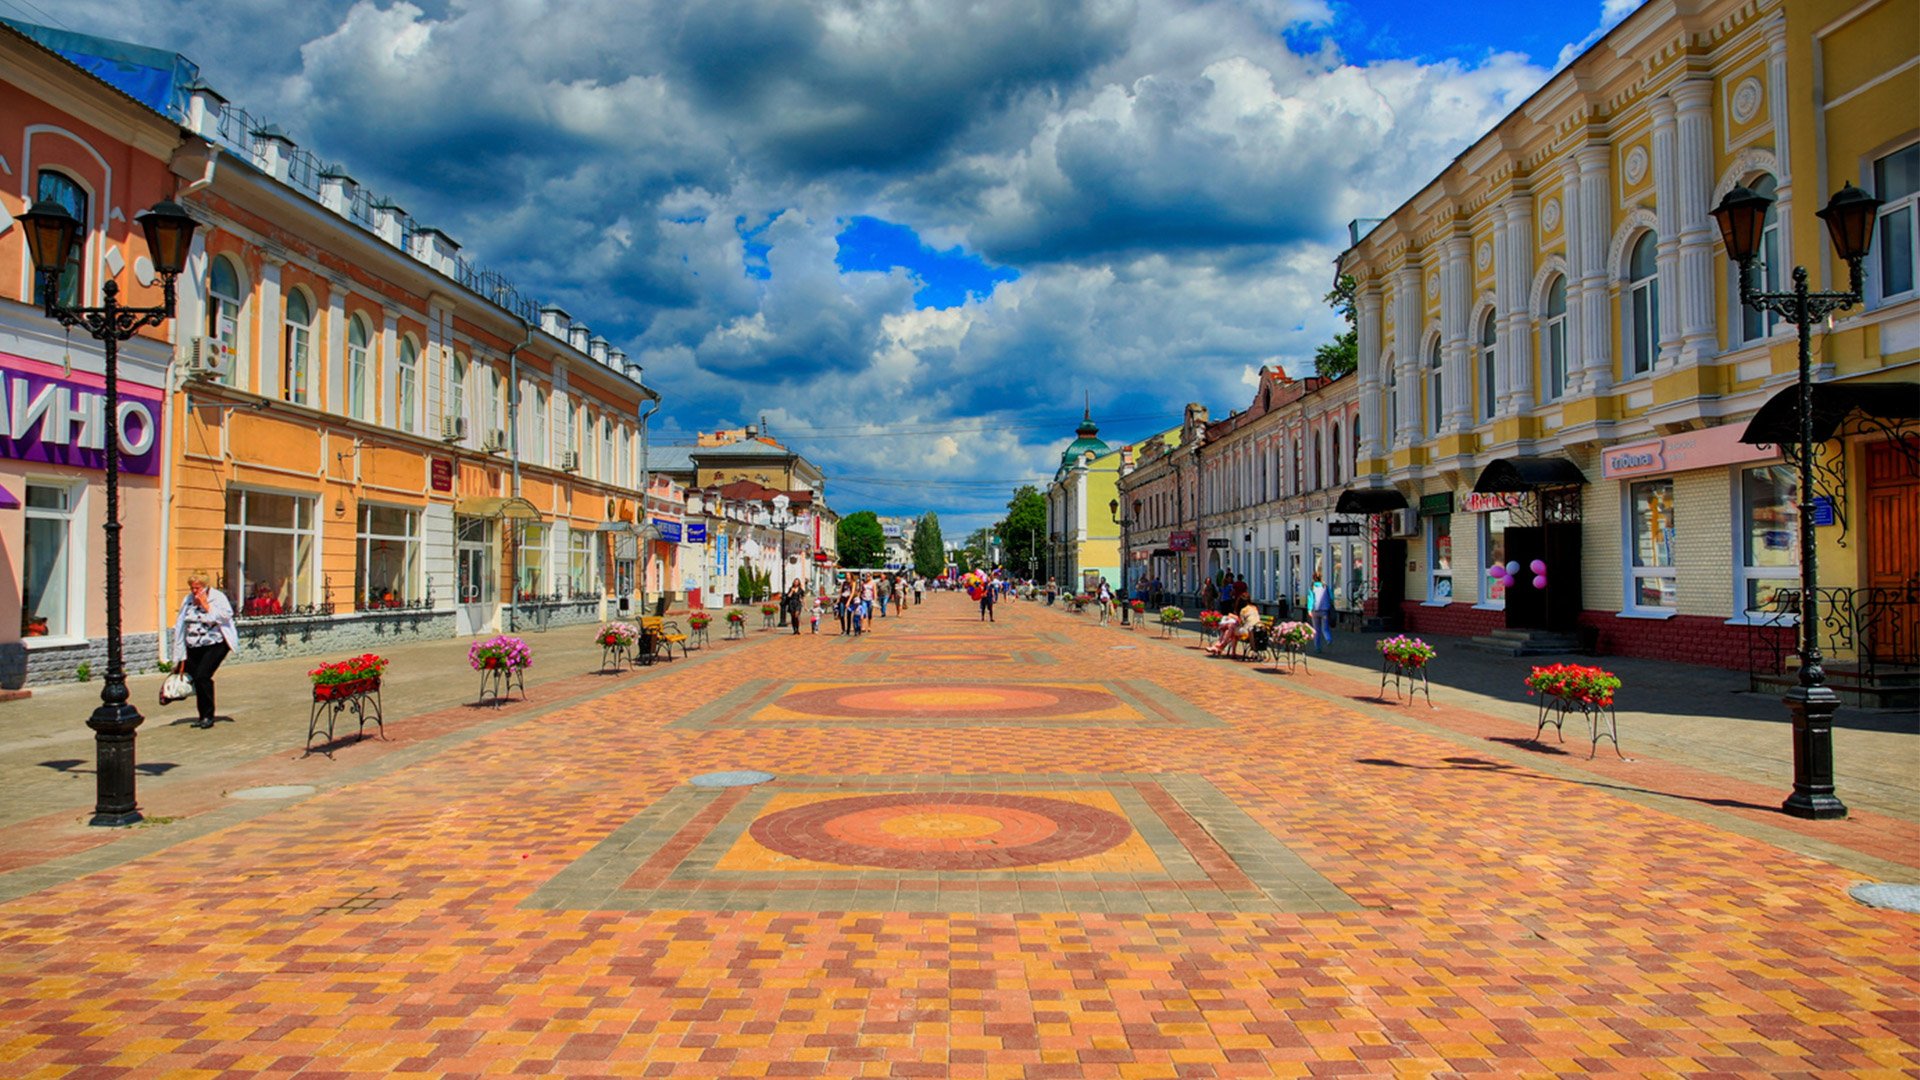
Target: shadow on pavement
<point>1508,769</point>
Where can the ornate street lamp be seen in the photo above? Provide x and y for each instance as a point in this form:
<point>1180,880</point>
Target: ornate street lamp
<point>1811,703</point>
<point>51,234</point>
<point>780,519</point>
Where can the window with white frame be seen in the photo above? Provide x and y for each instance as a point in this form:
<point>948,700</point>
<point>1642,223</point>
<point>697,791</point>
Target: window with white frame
<point>1493,551</point>
<point>1896,183</point>
<point>457,388</point>
<point>536,449</point>
<point>606,448</point>
<point>59,189</point>
<point>1553,338</point>
<point>1489,372</point>
<point>49,597</point>
<point>531,561</point>
<point>1650,570</point>
<point>296,352</point>
<point>389,556</point>
<point>1440,559</point>
<point>1436,403</point>
<point>580,563</point>
<point>406,377</point>
<point>562,430</point>
<point>359,366</point>
<point>1769,541</point>
<point>1756,325</point>
<point>1334,447</point>
<point>223,316</point>
<point>497,390</point>
<point>270,546</point>
<point>1643,305</point>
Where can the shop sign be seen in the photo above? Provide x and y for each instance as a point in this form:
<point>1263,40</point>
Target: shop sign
<point>1180,540</point>
<point>1343,528</point>
<point>1486,502</point>
<point>669,530</point>
<point>1218,542</point>
<point>440,472</point>
<point>1703,449</point>
<point>696,532</point>
<point>1439,504</point>
<point>48,417</point>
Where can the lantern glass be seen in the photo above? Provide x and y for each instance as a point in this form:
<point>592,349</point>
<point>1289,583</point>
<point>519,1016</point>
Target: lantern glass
<point>169,230</point>
<point>50,235</point>
<point>1741,215</point>
<point>1849,216</point>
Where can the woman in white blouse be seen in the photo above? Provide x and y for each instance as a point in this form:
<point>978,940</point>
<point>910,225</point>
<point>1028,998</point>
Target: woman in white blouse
<point>203,635</point>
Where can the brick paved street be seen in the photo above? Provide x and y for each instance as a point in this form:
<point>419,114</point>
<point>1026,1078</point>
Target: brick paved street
<point>1039,848</point>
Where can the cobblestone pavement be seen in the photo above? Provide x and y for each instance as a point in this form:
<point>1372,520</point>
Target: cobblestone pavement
<point>1039,848</point>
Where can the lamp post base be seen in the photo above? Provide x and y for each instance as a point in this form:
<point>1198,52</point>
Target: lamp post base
<point>114,802</point>
<point>1811,709</point>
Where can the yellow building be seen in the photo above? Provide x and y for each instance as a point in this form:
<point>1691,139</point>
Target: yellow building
<point>1083,529</point>
<point>1554,315</point>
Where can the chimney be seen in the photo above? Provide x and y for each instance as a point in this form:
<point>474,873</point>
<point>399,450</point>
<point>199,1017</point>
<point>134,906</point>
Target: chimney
<point>435,248</point>
<point>205,107</point>
<point>555,320</point>
<point>389,222</point>
<point>273,150</point>
<point>597,348</point>
<point>337,190</point>
<point>577,335</point>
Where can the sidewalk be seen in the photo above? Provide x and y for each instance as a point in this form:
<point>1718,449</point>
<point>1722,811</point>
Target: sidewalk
<point>1701,717</point>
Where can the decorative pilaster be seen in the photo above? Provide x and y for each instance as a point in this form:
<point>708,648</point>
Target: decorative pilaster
<point>1456,352</point>
<point>1693,145</point>
<point>1590,225</point>
<point>1666,193</point>
<point>334,358</point>
<point>1516,332</point>
<point>272,325</point>
<point>1368,332</point>
<point>384,370</point>
<point>1409,302</point>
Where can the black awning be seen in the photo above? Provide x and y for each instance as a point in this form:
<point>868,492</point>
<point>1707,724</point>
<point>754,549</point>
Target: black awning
<point>1370,501</point>
<point>1164,553</point>
<point>1778,421</point>
<point>1519,474</point>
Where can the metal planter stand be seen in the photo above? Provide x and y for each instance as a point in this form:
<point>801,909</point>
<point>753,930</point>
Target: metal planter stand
<point>361,698</point>
<point>497,683</point>
<point>1407,678</point>
<point>1554,710</point>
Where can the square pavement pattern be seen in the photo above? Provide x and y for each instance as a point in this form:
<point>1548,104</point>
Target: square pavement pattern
<point>1107,842</point>
<point>955,702</point>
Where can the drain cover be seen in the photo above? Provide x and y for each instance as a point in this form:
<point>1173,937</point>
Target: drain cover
<point>1896,897</point>
<point>734,778</point>
<point>273,791</point>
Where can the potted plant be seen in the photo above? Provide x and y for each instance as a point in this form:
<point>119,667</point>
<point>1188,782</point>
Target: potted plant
<point>345,678</point>
<point>699,620</point>
<point>1404,660</point>
<point>502,652</point>
<point>736,622</point>
<point>1210,621</point>
<point>1292,635</point>
<point>618,635</point>
<point>1578,684</point>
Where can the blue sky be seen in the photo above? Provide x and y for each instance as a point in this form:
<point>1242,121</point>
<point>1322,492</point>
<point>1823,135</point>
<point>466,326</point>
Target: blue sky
<point>914,235</point>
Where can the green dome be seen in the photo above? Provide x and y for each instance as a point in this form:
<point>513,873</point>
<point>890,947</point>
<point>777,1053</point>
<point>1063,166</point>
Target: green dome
<point>1089,439</point>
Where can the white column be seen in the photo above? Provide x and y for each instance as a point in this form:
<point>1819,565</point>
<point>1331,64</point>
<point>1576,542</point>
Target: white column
<point>272,320</point>
<point>1516,332</point>
<point>1667,203</point>
<point>1456,310</point>
<point>1591,221</point>
<point>334,357</point>
<point>1409,302</point>
<point>1782,148</point>
<point>1693,294</point>
<point>389,402</point>
<point>436,366</point>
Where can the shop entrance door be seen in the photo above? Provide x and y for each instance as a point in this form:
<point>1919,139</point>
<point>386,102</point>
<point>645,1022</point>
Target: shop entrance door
<point>475,571</point>
<point>1893,553</point>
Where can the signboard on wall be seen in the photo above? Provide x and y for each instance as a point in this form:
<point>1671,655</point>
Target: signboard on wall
<point>696,532</point>
<point>1701,449</point>
<point>669,530</point>
<point>1180,540</point>
<point>59,418</point>
<point>1218,542</point>
<point>1486,502</point>
<point>441,473</point>
<point>1437,504</point>
<point>1343,528</point>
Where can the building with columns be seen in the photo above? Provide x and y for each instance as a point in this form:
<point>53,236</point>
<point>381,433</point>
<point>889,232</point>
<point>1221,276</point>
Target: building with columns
<point>1552,317</point>
<point>1083,535</point>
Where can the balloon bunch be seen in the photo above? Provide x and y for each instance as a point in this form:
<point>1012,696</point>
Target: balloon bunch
<point>1508,574</point>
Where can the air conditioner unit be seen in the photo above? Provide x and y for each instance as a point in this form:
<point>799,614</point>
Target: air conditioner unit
<point>496,441</point>
<point>209,357</point>
<point>453,428</point>
<point>1404,522</point>
<point>569,461</point>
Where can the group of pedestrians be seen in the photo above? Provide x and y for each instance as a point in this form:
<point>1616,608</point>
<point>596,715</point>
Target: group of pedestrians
<point>864,598</point>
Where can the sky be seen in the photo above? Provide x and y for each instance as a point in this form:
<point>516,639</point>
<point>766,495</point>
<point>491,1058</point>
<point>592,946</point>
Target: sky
<point>916,236</point>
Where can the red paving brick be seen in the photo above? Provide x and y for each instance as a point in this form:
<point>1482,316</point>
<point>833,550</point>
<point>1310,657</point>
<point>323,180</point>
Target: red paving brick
<point>1507,921</point>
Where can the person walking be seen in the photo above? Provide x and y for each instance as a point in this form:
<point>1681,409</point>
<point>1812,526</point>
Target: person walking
<point>844,608</point>
<point>1320,609</point>
<point>1209,596</point>
<point>203,635</point>
<point>1105,597</point>
<point>791,603</point>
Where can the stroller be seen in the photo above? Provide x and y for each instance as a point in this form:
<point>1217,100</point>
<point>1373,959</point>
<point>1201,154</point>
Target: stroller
<point>1259,642</point>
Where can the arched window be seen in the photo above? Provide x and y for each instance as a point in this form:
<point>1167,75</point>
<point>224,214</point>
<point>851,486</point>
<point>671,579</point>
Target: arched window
<point>406,377</point>
<point>1436,403</point>
<point>1643,306</point>
<point>359,366</point>
<point>296,347</point>
<point>1334,446</point>
<point>1317,474</point>
<point>563,432</point>
<point>1554,332</point>
<point>536,449</point>
<point>1392,424</point>
<point>65,192</point>
<point>223,315</point>
<point>1353,437</point>
<point>1755,325</point>
<point>497,394</point>
<point>1489,377</point>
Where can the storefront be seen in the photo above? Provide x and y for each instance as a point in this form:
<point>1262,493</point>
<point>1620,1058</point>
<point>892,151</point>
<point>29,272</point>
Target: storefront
<point>53,438</point>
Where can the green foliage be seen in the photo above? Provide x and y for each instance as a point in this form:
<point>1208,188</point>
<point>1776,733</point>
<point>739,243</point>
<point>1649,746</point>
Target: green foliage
<point>1023,532</point>
<point>929,547</point>
<point>1342,355</point>
<point>860,541</point>
<point>83,673</point>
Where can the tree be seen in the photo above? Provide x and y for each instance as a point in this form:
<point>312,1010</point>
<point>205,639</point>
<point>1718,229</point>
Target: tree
<point>859,540</point>
<point>976,549</point>
<point>1342,355</point>
<point>1023,531</point>
<point>929,547</point>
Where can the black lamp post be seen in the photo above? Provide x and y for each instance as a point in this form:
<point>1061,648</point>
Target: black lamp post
<point>780,518</point>
<point>1113,511</point>
<point>51,234</point>
<point>1811,703</point>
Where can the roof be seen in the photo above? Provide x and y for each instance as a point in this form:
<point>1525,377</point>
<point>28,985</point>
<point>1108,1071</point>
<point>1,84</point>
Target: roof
<point>1088,438</point>
<point>748,491</point>
<point>153,77</point>
<point>754,448</point>
<point>670,458</point>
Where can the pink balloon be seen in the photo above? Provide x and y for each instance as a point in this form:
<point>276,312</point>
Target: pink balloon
<point>1538,566</point>
<point>1539,581</point>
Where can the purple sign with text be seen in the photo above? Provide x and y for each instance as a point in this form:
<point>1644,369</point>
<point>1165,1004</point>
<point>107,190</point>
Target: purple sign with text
<point>61,419</point>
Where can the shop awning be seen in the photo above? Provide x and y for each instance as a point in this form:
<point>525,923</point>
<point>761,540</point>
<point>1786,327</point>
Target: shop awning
<point>1370,501</point>
<point>1778,421</point>
<point>511,507</point>
<point>1528,473</point>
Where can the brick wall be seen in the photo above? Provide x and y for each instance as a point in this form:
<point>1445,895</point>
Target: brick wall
<point>1686,639</point>
<point>1457,620</point>
<point>21,666</point>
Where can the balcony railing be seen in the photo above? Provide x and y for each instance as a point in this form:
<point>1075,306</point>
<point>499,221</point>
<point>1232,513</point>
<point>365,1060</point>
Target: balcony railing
<point>1869,635</point>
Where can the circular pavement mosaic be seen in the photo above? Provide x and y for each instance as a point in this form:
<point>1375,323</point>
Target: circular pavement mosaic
<point>941,830</point>
<point>999,701</point>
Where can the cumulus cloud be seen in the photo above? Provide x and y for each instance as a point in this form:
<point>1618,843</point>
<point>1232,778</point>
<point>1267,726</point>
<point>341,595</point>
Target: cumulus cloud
<point>1170,180</point>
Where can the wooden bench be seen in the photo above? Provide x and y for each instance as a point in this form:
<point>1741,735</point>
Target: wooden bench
<point>665,635</point>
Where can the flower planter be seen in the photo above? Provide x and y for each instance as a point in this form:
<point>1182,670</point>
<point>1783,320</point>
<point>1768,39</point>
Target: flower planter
<point>358,696</point>
<point>1579,689</point>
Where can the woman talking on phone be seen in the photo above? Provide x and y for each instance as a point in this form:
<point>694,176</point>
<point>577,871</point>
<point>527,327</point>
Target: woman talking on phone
<point>203,635</point>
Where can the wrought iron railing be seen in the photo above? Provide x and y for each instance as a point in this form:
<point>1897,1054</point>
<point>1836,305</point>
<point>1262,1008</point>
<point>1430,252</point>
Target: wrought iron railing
<point>1872,632</point>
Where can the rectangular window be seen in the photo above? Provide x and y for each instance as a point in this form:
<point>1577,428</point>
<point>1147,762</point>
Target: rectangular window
<point>1493,549</point>
<point>49,600</point>
<point>1440,559</point>
<point>270,545</point>
<point>1650,581</point>
<point>1769,542</point>
<point>389,557</point>
<point>580,563</point>
<point>531,562</point>
<point>1896,183</point>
